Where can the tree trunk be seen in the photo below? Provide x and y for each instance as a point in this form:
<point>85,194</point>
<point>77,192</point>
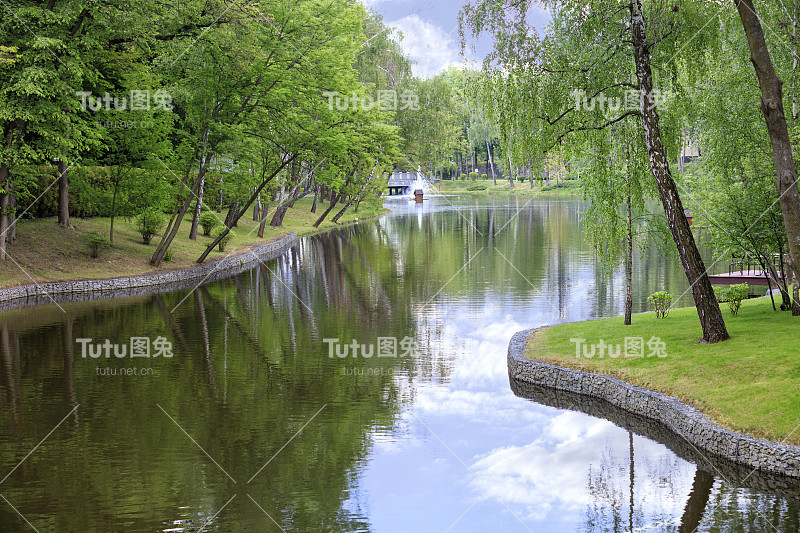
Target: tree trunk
<point>12,230</point>
<point>220,198</point>
<point>198,208</point>
<point>3,223</point>
<point>629,243</point>
<point>283,207</point>
<point>257,210</point>
<point>169,234</point>
<point>491,162</point>
<point>772,108</point>
<point>708,309</point>
<point>356,198</point>
<point>330,208</point>
<point>697,502</point>
<point>63,194</point>
<point>263,225</point>
<point>229,222</point>
<point>113,210</point>
<point>316,198</point>
<point>243,210</point>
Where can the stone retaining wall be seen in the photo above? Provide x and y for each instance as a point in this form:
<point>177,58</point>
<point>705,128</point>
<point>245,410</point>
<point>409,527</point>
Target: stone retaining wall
<point>683,420</point>
<point>90,289</point>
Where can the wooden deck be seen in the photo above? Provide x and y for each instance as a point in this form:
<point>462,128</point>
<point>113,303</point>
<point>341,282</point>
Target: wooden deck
<point>751,277</point>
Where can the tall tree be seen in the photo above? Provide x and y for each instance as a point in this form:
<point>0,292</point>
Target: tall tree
<point>602,51</point>
<point>772,108</point>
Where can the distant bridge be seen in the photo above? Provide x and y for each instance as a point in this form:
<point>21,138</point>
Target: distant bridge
<point>400,181</point>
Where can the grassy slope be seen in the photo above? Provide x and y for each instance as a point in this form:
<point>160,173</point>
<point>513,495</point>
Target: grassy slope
<point>46,252</point>
<point>460,187</point>
<point>748,383</point>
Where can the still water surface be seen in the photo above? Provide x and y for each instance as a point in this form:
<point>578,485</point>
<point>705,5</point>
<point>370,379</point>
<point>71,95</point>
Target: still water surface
<point>253,426</point>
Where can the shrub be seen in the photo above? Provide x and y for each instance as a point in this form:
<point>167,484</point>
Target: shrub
<point>661,301</point>
<point>149,222</point>
<point>462,177</point>
<point>477,187</point>
<point>225,240</point>
<point>734,295</point>
<point>208,220</point>
<point>473,176</point>
<point>95,242</point>
<point>168,255</point>
<point>719,292</point>
<point>484,177</point>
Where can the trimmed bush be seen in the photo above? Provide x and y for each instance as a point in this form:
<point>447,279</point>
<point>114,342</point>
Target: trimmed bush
<point>477,187</point>
<point>224,242</point>
<point>208,221</point>
<point>473,176</point>
<point>660,301</point>
<point>462,177</point>
<point>484,177</point>
<point>149,222</point>
<point>733,295</point>
<point>95,242</point>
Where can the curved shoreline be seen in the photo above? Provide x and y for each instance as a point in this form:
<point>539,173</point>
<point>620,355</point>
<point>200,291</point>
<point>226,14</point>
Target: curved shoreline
<point>681,419</point>
<point>138,284</point>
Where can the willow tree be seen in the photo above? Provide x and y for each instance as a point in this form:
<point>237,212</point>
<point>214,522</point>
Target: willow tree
<point>615,186</point>
<point>591,70</point>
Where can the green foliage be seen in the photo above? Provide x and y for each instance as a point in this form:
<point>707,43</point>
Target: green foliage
<point>208,221</point>
<point>484,176</point>
<point>95,242</point>
<point>733,295</point>
<point>661,302</point>
<point>477,187</point>
<point>168,255</point>
<point>225,240</point>
<point>462,177</point>
<point>149,222</point>
<point>473,176</point>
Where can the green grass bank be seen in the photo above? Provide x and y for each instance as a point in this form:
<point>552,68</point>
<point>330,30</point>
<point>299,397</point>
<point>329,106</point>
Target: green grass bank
<point>748,383</point>
<point>44,251</point>
<point>564,188</point>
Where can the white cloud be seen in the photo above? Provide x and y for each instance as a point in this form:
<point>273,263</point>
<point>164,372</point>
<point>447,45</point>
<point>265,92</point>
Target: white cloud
<point>429,46</point>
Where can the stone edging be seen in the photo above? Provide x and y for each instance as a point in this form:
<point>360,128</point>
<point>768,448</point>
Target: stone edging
<point>683,420</point>
<point>82,290</point>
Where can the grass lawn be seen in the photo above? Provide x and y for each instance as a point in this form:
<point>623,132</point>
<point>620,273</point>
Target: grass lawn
<point>565,188</point>
<point>44,251</point>
<point>749,383</point>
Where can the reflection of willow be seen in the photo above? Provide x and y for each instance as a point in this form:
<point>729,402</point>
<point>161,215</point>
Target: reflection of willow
<point>607,511</point>
<point>731,509</point>
<point>606,485</point>
<point>745,499</point>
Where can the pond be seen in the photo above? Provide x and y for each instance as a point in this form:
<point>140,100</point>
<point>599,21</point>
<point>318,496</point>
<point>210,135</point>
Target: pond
<point>356,383</point>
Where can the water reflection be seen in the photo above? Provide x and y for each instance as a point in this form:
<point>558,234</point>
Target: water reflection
<point>252,426</point>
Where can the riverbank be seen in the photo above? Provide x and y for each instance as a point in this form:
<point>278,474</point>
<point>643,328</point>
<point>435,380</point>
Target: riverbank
<point>724,397</point>
<point>564,188</point>
<point>45,252</point>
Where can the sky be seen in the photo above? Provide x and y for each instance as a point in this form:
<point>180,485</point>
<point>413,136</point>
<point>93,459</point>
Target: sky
<point>430,31</point>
